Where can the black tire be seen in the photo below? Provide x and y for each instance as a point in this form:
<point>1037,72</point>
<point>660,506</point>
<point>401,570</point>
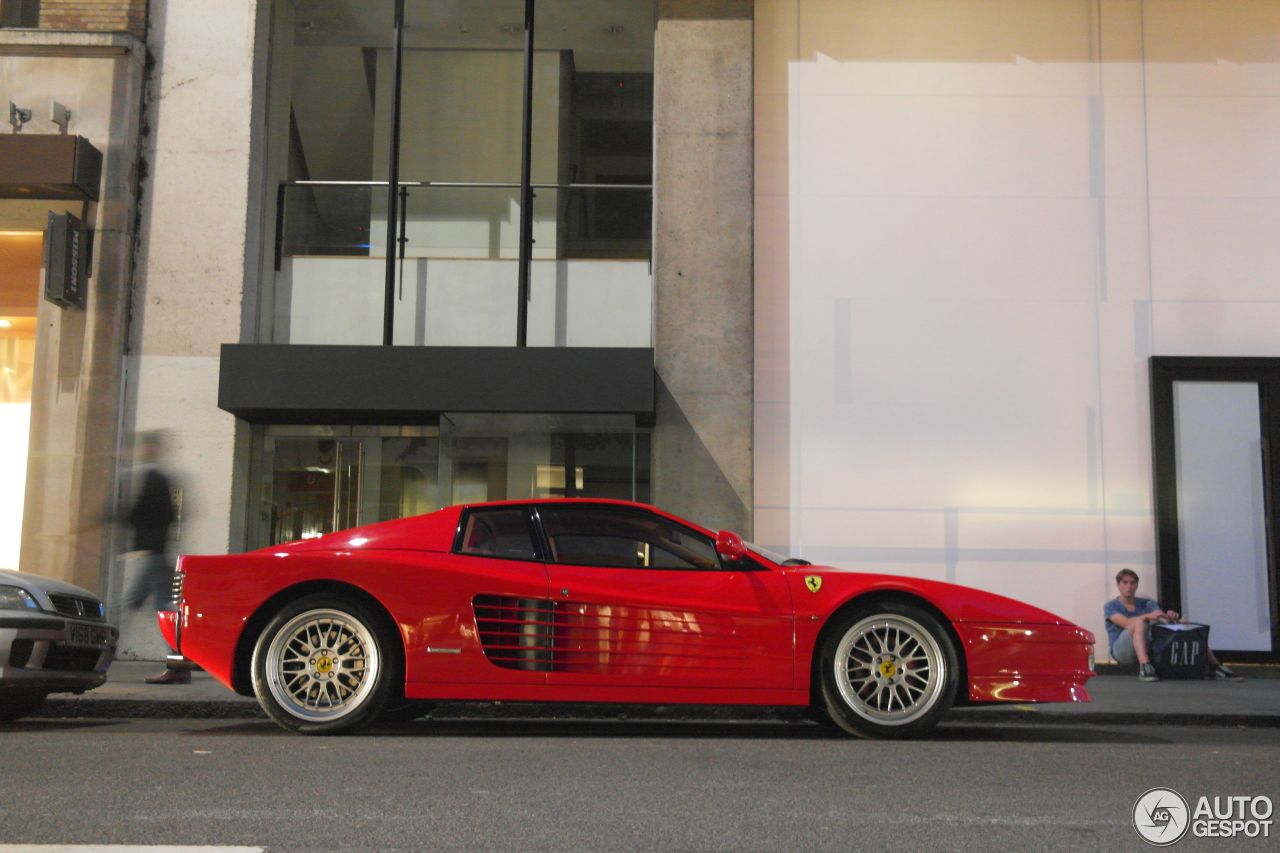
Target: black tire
<point>888,670</point>
<point>15,706</point>
<point>325,665</point>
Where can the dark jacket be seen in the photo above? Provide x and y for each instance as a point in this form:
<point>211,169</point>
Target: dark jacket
<point>152,513</point>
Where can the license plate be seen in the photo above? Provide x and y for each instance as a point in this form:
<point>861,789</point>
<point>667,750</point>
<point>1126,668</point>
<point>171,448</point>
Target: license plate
<point>86,635</point>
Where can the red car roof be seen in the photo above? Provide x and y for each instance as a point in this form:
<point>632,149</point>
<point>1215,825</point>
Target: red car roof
<point>435,531</point>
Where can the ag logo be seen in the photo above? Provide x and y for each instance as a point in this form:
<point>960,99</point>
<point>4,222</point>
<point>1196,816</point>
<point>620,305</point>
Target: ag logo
<point>813,582</point>
<point>1161,816</point>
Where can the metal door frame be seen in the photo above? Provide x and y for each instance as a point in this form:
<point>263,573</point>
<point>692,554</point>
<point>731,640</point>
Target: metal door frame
<point>263,465</point>
<point>1165,371</point>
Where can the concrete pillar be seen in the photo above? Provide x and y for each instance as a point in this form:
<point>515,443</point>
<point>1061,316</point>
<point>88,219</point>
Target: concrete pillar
<point>703,335</point>
<point>194,246</point>
<point>194,250</point>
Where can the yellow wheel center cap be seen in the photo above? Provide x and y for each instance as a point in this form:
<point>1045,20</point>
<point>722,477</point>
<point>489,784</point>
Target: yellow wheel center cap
<point>324,664</point>
<point>888,668</point>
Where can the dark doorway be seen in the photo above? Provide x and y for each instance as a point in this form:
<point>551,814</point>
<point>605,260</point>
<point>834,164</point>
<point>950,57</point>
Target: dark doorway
<point>1215,432</point>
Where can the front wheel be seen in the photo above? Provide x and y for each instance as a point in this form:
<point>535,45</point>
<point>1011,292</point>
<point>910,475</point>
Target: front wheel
<point>888,671</point>
<point>324,665</point>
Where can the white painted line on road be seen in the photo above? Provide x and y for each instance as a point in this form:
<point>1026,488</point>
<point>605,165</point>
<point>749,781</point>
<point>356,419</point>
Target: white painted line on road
<point>122,848</point>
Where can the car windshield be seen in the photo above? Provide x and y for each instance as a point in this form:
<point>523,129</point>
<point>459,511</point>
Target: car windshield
<point>774,556</point>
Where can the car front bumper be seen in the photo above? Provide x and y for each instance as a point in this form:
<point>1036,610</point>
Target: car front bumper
<point>45,652</point>
<point>1027,662</point>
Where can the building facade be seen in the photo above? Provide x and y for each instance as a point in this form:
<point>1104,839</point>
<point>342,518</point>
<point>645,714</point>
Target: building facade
<point>989,236</point>
<point>73,75</point>
<point>975,290</point>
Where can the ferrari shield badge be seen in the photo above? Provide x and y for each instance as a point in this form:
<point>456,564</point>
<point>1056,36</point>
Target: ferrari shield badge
<point>813,582</point>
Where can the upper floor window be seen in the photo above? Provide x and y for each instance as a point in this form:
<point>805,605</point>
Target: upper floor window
<point>422,183</point>
<point>20,13</point>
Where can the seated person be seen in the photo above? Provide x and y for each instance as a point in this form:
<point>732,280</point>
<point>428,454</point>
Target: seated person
<point>1129,621</point>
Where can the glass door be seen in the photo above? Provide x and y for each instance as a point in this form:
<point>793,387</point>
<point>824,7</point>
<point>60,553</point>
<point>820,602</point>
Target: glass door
<point>1222,514</point>
<point>315,480</point>
<point>315,486</point>
<point>1215,429</point>
<point>510,457</point>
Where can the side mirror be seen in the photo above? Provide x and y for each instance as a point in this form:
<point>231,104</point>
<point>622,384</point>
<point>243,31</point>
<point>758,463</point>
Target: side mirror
<point>730,547</point>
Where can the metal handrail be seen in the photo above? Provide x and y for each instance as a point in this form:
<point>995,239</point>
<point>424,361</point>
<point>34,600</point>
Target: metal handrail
<point>400,217</point>
<point>280,188</point>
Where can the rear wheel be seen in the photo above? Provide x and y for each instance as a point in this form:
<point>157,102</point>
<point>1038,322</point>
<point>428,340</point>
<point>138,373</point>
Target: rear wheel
<point>888,671</point>
<point>324,665</point>
<point>14,706</point>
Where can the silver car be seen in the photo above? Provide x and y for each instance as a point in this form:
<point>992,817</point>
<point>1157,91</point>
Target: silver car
<point>54,638</point>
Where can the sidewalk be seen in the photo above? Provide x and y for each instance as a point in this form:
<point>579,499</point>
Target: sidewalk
<point>1117,700</point>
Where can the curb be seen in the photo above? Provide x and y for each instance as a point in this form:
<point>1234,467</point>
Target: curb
<point>116,709</point>
<point>1114,718</point>
<point>109,709</point>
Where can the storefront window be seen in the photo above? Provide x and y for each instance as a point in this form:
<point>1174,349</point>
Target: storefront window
<point>314,480</point>
<point>19,289</point>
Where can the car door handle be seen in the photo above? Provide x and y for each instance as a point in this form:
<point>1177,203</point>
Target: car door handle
<point>564,591</point>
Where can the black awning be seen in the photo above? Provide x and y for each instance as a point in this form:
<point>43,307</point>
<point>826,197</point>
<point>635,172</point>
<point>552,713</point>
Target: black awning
<point>41,165</point>
<point>304,383</point>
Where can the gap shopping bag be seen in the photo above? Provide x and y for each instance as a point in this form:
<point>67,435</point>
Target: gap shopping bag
<point>1180,650</point>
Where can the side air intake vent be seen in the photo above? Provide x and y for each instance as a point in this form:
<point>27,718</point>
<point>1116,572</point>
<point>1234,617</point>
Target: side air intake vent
<point>515,632</point>
<point>596,638</point>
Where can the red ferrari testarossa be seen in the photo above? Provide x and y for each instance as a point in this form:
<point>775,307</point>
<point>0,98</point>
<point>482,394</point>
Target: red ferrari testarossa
<point>581,600</point>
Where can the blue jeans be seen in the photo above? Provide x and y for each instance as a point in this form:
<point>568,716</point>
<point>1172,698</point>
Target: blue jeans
<point>154,581</point>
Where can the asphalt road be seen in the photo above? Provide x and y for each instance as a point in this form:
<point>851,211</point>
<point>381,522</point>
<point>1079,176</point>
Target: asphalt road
<point>548,785</point>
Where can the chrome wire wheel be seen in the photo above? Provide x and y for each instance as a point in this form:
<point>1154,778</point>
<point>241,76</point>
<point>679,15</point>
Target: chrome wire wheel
<point>889,669</point>
<point>322,665</point>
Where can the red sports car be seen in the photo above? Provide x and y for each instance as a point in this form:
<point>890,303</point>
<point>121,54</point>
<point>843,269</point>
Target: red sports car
<point>602,601</point>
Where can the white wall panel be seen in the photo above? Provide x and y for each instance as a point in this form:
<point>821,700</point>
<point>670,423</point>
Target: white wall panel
<point>950,249</point>
<point>1072,587</point>
<point>998,211</point>
<point>927,145</point>
<point>1215,248</point>
<point>1214,146</point>
<point>448,302</point>
<point>938,411</point>
<point>1216,328</point>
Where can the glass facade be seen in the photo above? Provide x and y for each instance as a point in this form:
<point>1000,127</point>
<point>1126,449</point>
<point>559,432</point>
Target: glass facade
<point>19,296</point>
<point>427,161</point>
<point>312,480</point>
<point>450,241</point>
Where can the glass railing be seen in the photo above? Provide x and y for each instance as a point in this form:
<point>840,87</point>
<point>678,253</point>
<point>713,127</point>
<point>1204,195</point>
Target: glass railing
<point>455,265</point>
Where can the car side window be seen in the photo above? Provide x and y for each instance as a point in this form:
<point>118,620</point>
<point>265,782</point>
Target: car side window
<point>623,538</point>
<point>501,533</point>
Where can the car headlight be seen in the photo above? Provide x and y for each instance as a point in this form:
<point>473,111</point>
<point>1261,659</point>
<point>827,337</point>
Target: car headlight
<point>16,598</point>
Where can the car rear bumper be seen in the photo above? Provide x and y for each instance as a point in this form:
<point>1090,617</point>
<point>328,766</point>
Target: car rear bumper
<point>52,654</point>
<point>170,624</point>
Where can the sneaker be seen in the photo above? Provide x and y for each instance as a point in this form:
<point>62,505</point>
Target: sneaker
<point>1147,672</point>
<point>1221,673</point>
